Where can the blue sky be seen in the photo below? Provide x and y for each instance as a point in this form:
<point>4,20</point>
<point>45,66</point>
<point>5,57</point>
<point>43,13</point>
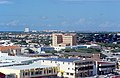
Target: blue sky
<point>68,15</point>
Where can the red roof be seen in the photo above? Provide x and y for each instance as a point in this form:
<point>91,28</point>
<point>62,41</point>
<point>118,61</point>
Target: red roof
<point>116,77</point>
<point>5,48</point>
<point>101,62</point>
<point>2,75</point>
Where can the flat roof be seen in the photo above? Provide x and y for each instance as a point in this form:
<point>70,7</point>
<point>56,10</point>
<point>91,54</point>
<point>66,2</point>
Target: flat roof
<point>25,67</point>
<point>105,62</point>
<point>9,61</point>
<point>16,58</point>
<point>62,59</point>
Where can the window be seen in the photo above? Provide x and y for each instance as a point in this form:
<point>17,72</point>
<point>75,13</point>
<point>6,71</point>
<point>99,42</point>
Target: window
<point>91,62</point>
<point>40,72</point>
<point>36,72</point>
<point>67,73</point>
<point>68,68</point>
<point>50,71</point>
<point>43,60</point>
<point>63,62</point>
<point>68,63</point>
<point>23,74</point>
<point>32,73</point>
<point>44,72</point>
<point>71,74</point>
<point>91,72</point>
<point>26,73</point>
<point>51,61</point>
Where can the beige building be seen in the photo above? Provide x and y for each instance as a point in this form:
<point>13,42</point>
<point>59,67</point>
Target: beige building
<point>34,70</point>
<point>62,40</point>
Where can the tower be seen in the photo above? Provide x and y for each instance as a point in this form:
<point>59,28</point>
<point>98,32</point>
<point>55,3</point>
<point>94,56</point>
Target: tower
<point>26,29</point>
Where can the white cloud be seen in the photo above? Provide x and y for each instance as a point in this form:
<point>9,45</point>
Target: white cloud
<point>64,23</point>
<point>12,23</point>
<point>81,21</point>
<point>44,17</point>
<point>5,2</point>
<point>108,24</point>
<point>85,22</point>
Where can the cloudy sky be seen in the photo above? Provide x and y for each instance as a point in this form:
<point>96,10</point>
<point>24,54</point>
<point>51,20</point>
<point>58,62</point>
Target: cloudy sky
<point>78,15</point>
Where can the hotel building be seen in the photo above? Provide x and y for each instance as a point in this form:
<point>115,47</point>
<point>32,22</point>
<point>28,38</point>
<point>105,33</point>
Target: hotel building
<point>62,40</point>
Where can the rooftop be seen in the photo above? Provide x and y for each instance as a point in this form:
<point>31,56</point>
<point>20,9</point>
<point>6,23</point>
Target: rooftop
<point>105,62</point>
<point>80,54</point>
<point>6,61</point>
<point>25,67</point>
<point>5,48</point>
<point>19,63</point>
<point>62,59</point>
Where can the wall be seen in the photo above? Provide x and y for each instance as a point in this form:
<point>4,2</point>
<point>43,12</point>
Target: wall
<point>64,67</point>
<point>10,71</point>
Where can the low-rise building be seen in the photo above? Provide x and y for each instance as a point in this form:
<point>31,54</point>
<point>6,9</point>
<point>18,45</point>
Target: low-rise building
<point>105,67</point>
<point>11,50</point>
<point>59,48</point>
<point>71,68</point>
<point>31,71</point>
<point>6,43</point>
<point>43,49</point>
<point>83,55</point>
<point>25,67</point>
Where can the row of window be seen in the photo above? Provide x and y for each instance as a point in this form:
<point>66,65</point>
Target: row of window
<point>110,66</point>
<point>56,62</point>
<point>84,68</point>
<point>84,74</point>
<point>39,72</point>
<point>70,74</point>
<point>69,68</point>
<point>84,63</point>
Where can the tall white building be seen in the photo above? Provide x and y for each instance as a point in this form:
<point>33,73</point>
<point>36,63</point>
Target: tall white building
<point>26,29</point>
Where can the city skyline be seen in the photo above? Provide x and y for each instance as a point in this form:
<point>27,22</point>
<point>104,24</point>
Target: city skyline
<point>68,15</point>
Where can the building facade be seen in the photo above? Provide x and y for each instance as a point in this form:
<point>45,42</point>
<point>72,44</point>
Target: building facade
<point>71,68</point>
<point>104,67</point>
<point>29,71</point>
<point>62,40</point>
<point>27,29</point>
<point>10,50</point>
<point>43,49</point>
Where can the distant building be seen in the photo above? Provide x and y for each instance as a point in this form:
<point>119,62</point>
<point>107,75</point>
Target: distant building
<point>6,43</point>
<point>10,50</point>
<point>59,48</point>
<point>43,49</point>
<point>34,31</point>
<point>27,29</point>
<point>84,55</point>
<point>62,40</point>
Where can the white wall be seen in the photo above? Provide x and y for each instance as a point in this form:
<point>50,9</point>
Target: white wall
<point>66,67</point>
<point>59,48</point>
